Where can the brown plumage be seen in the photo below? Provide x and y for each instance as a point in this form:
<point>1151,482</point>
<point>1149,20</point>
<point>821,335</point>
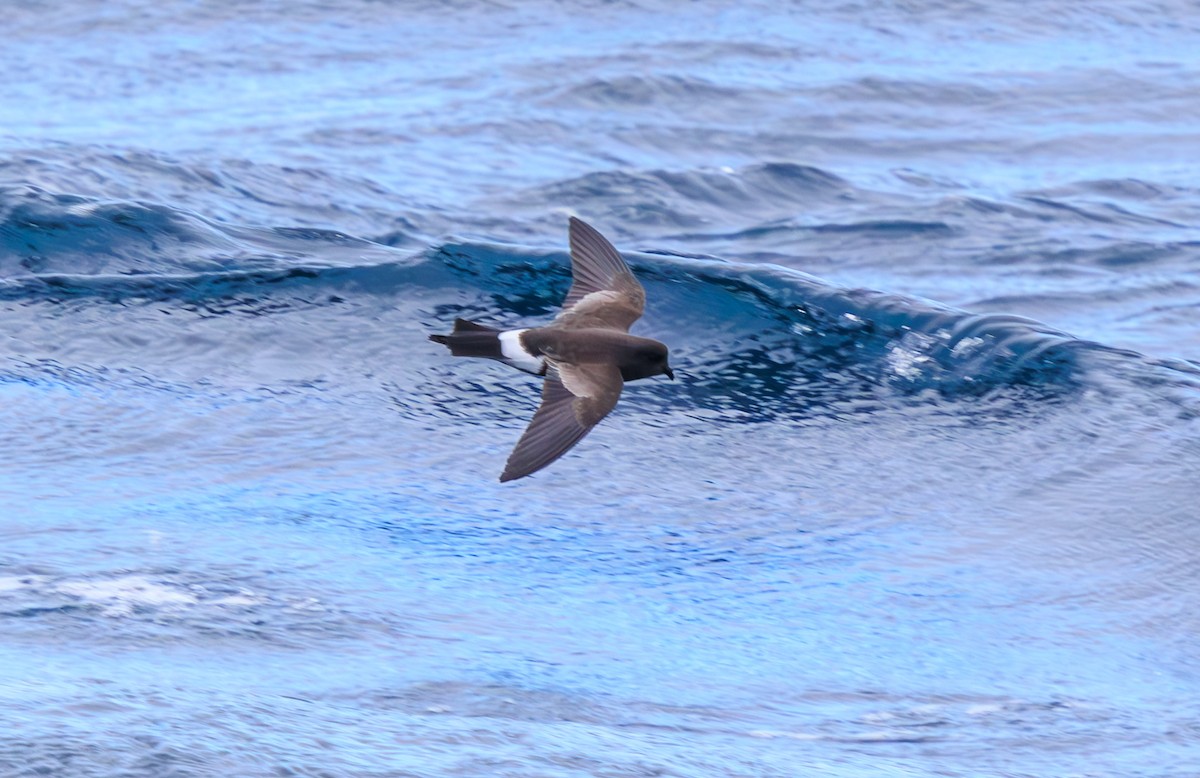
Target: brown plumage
<point>586,354</point>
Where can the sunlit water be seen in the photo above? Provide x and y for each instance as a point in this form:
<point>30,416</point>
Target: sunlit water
<point>251,523</point>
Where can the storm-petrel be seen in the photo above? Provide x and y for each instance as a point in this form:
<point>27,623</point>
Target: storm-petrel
<point>585,355</point>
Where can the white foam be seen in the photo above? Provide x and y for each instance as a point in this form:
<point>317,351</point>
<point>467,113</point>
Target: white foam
<point>909,357</point>
<point>241,600</point>
<point>965,345</point>
<point>119,596</point>
<point>14,583</point>
<point>123,595</point>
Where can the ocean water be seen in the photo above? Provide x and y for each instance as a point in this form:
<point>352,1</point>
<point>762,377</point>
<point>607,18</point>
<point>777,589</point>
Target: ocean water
<point>923,501</point>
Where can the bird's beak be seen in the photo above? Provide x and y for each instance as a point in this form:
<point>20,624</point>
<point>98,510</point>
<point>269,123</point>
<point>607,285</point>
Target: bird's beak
<point>670,373</point>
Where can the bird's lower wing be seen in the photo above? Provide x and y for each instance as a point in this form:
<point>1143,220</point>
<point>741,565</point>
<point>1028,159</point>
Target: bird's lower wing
<point>574,399</point>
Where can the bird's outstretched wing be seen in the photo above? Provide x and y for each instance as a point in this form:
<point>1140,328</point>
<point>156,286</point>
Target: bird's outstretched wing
<point>574,399</point>
<point>603,291</point>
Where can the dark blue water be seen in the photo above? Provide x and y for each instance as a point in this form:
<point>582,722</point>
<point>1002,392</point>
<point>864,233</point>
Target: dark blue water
<point>251,524</point>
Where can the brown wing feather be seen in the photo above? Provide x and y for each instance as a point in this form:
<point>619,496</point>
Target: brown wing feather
<point>604,292</point>
<point>564,416</point>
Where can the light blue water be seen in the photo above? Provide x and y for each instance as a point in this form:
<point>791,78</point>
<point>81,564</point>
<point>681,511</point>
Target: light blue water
<point>251,524</point>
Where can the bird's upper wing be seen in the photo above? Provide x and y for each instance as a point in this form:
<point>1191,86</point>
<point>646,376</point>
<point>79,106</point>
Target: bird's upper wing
<point>603,291</point>
<point>574,399</point>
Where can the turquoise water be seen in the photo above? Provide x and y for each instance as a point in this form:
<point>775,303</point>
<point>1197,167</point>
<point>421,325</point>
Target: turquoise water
<point>251,523</point>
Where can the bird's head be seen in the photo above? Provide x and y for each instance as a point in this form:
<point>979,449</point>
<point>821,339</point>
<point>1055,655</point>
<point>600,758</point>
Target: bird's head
<point>647,359</point>
<point>658,360</point>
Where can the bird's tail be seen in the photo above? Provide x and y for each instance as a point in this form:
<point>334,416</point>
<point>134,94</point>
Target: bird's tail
<point>471,340</point>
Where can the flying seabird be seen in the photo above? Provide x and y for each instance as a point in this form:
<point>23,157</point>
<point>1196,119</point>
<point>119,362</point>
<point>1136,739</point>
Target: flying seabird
<point>585,355</point>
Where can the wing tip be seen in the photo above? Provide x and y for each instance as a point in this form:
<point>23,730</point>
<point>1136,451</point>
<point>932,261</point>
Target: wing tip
<point>578,228</point>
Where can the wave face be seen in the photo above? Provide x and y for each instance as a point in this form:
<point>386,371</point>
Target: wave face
<point>921,499</point>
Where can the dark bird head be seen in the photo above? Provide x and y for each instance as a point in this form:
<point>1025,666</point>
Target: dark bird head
<point>659,360</point>
<point>651,358</point>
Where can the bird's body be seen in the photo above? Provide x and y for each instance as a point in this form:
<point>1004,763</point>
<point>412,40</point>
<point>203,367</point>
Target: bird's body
<point>635,357</point>
<point>585,355</point>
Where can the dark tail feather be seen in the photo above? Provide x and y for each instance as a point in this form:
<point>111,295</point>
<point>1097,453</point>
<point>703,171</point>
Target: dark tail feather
<point>462,325</point>
<point>471,340</point>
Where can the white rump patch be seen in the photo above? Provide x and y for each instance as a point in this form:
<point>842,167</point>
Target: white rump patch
<point>516,355</point>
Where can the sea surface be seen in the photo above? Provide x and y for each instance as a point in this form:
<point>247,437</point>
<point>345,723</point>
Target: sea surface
<point>923,501</point>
